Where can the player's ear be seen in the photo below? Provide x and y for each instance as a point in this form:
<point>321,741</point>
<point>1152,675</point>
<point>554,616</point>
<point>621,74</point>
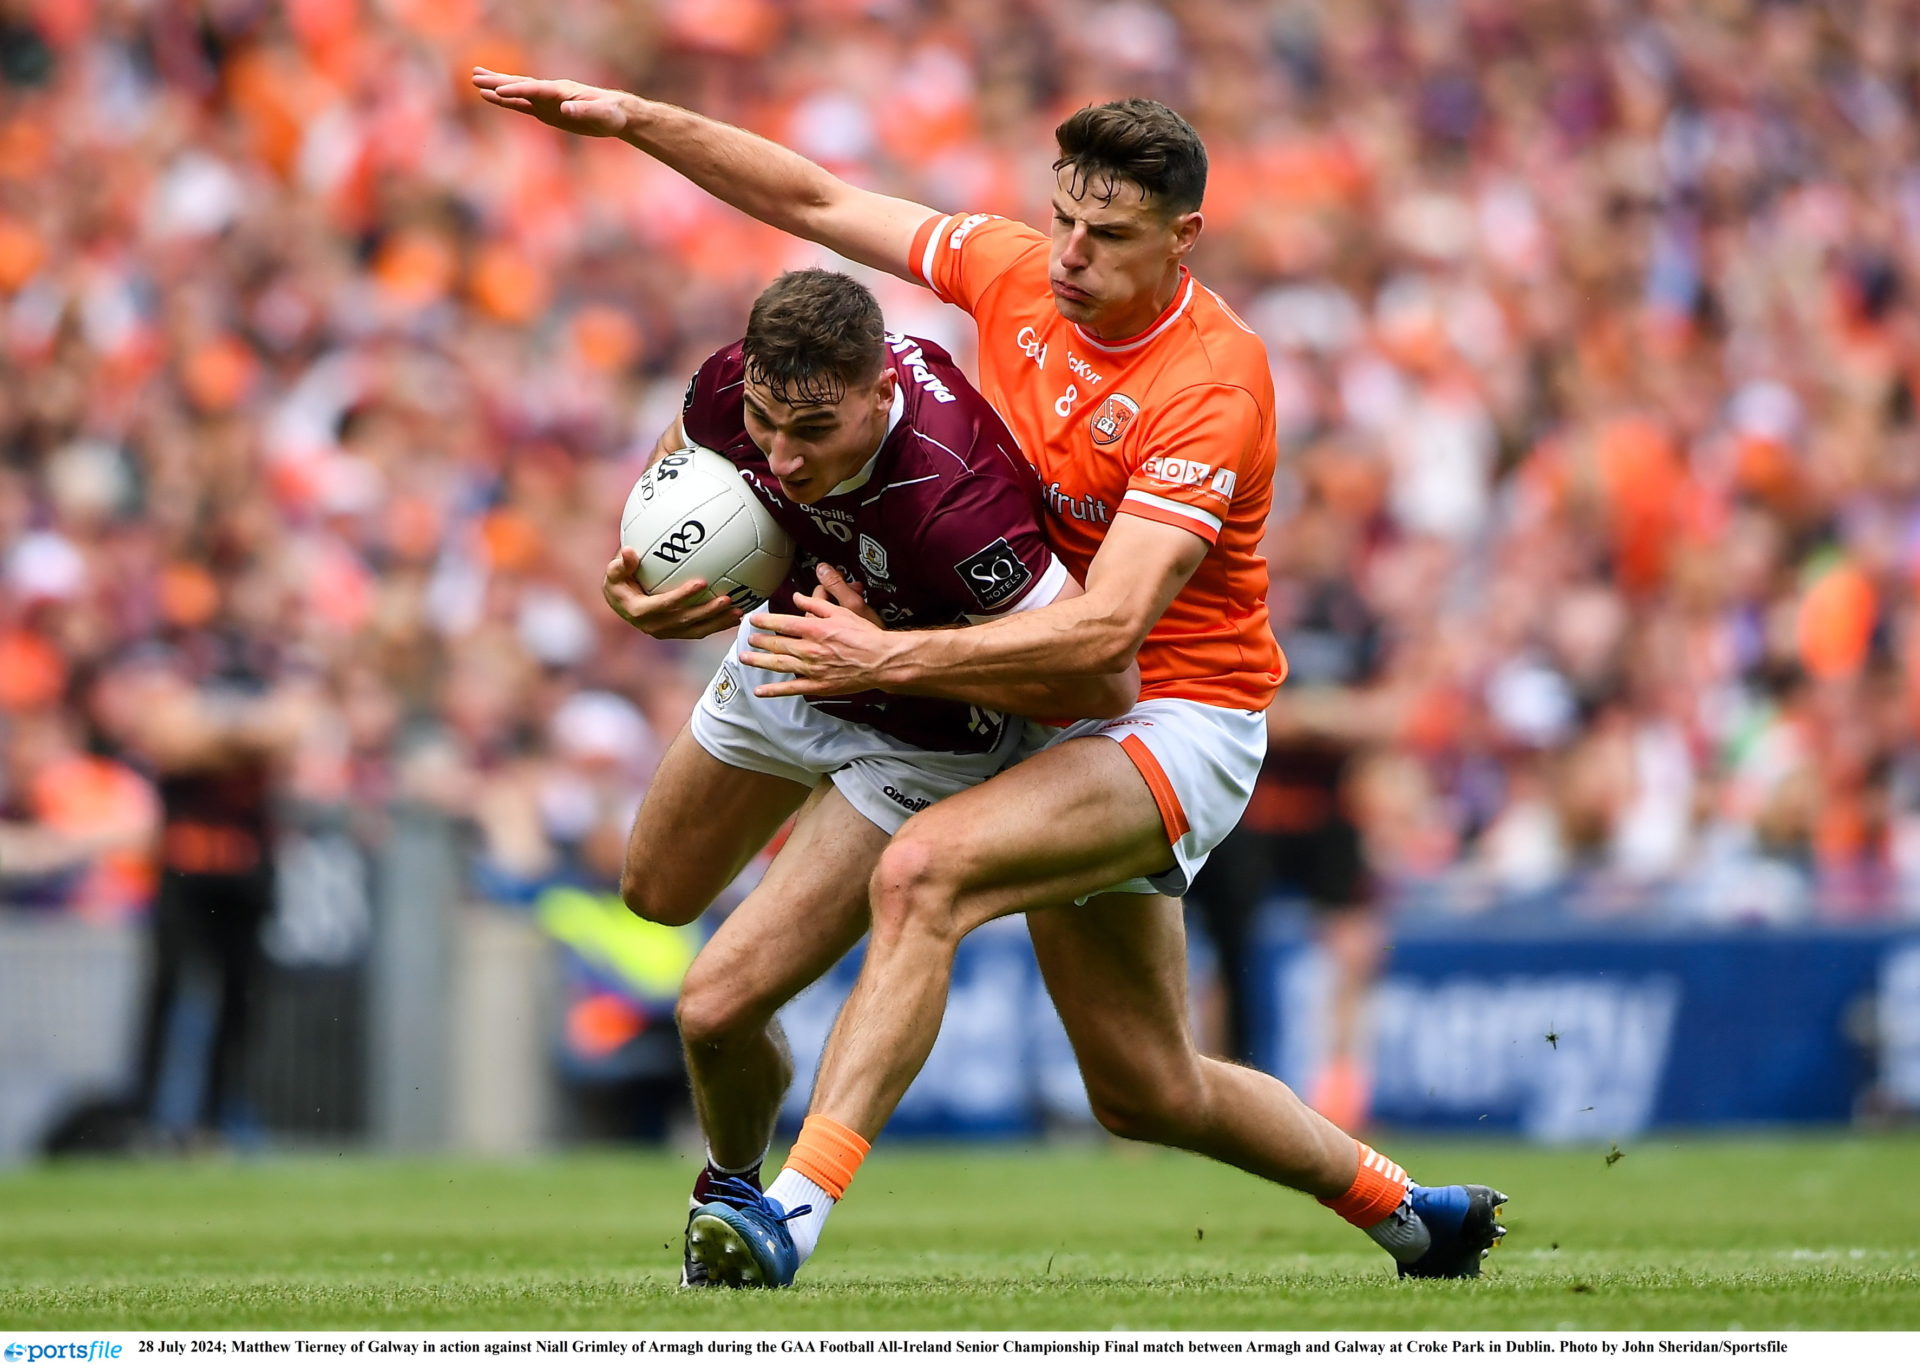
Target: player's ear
<point>1186,232</point>
<point>883,386</point>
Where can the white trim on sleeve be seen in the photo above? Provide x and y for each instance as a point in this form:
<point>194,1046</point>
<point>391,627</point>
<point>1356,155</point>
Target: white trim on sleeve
<point>1167,504</point>
<point>933,245</point>
<point>1043,593</point>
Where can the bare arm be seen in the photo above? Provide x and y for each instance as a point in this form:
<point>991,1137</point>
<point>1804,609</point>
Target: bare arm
<point>35,850</point>
<point>1052,697</point>
<point>1095,696</point>
<point>760,178</point>
<point>185,732</point>
<point>1139,569</point>
<point>30,850</point>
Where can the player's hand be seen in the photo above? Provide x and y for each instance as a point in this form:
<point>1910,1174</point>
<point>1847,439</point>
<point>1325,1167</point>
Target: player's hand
<point>832,650</point>
<point>838,589</point>
<point>567,105</point>
<point>679,613</point>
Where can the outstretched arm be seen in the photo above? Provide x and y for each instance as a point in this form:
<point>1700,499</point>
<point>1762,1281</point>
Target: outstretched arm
<point>760,178</point>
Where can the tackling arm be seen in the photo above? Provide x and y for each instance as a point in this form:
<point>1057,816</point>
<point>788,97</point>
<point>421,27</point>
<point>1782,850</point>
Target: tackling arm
<point>760,178</point>
<point>1056,695</point>
<point>1089,696</point>
<point>1138,570</point>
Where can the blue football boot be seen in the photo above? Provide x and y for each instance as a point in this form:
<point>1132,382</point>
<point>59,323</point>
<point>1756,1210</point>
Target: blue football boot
<point>712,1187</point>
<point>740,1239</point>
<point>1461,1226</point>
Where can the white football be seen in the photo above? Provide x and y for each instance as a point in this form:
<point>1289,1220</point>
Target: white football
<point>693,515</point>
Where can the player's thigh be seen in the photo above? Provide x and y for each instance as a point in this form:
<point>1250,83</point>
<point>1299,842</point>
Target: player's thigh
<point>1116,968</point>
<point>806,913</point>
<point>701,822</point>
<point>1071,820</point>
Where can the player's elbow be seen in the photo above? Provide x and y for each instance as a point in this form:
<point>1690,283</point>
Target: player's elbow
<point>820,212</point>
<point>1114,694</point>
<point>1109,645</point>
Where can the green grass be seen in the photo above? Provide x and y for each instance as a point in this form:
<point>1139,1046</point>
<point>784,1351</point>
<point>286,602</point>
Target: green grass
<point>1776,1234</point>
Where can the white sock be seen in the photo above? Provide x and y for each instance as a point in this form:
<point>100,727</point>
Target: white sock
<point>793,1190</point>
<point>1401,1234</point>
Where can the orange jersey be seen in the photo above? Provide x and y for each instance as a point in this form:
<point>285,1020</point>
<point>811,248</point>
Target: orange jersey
<point>1175,424</point>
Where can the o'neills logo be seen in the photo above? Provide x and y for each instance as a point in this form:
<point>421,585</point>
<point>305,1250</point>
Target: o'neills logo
<point>1114,416</point>
<point>1079,508</point>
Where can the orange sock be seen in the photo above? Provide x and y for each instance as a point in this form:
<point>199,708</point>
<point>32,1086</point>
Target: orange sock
<point>828,1153</point>
<point>1378,1187</point>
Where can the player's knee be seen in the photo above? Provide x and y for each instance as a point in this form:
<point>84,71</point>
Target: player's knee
<point>649,899</point>
<point>916,883</point>
<point>712,1012</point>
<point>1147,1108</point>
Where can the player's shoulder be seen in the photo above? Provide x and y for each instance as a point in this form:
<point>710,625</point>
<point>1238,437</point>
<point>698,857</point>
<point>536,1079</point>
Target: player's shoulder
<point>710,408</point>
<point>949,434</point>
<point>732,356</point>
<point>975,252</point>
<point>1221,349</point>
<point>955,231</point>
<point>725,368</point>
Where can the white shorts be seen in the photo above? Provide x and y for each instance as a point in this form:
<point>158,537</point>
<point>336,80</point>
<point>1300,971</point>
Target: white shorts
<point>886,779</point>
<point>1198,760</point>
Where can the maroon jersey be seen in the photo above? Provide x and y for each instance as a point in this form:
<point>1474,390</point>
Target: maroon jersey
<point>941,527</point>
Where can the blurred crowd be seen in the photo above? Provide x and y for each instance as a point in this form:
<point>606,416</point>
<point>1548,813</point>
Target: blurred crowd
<point>1592,328</point>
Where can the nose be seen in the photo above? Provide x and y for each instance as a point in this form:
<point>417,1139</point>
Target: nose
<point>1074,254</point>
<point>782,458</point>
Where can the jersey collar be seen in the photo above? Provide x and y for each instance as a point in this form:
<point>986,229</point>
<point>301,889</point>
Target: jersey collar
<point>1182,296</point>
<point>860,476</point>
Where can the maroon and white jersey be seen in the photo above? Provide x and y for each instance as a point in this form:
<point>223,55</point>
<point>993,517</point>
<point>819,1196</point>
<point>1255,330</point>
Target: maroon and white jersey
<point>941,527</point>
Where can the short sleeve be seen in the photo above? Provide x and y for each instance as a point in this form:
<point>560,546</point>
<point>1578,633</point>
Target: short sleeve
<point>705,414</point>
<point>960,255</point>
<point>1194,454</point>
<point>982,551</point>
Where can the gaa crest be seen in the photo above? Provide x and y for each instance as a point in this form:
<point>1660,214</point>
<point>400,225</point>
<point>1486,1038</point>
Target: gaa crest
<point>1112,418</point>
<point>873,557</point>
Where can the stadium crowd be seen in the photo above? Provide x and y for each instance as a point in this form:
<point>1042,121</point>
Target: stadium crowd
<point>1592,328</point>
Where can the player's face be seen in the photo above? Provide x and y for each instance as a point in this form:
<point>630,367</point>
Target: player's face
<point>814,447</point>
<point>1114,265</point>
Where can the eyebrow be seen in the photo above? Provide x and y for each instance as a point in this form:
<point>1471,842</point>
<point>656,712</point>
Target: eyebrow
<point>1119,225</point>
<point>815,417</point>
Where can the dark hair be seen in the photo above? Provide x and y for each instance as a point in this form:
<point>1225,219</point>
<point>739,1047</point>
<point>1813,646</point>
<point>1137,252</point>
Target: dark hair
<point>1135,141</point>
<point>813,335</point>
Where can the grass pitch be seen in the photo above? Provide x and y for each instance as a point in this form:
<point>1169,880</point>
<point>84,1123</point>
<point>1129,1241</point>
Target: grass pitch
<point>1775,1234</point>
